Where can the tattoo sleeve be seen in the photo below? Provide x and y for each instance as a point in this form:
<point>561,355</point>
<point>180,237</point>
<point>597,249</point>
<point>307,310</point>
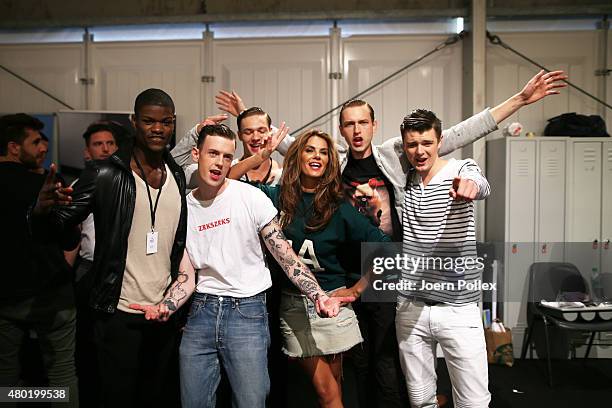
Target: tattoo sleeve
<point>281,250</point>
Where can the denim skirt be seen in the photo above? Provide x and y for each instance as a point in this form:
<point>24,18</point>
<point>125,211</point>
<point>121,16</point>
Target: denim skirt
<point>305,334</point>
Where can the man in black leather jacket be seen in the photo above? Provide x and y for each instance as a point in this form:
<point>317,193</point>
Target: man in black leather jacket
<point>140,238</point>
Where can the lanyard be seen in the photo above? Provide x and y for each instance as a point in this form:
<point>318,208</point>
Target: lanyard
<point>152,208</point>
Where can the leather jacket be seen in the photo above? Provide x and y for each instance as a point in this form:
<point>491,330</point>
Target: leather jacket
<point>108,190</point>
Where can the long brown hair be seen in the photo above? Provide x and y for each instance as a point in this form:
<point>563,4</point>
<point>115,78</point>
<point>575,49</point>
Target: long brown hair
<point>328,193</point>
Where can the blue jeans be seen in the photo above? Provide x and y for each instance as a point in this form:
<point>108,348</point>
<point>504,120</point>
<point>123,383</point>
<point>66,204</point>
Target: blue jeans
<point>229,331</point>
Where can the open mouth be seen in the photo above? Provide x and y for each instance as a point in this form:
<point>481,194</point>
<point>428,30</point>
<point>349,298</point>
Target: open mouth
<point>316,166</point>
<point>421,162</point>
<point>358,141</point>
<point>215,174</point>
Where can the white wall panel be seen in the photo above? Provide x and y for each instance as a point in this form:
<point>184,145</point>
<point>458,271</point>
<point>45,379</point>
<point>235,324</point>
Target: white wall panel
<point>433,84</point>
<point>574,52</point>
<point>54,68</point>
<point>122,70</point>
<point>288,78</point>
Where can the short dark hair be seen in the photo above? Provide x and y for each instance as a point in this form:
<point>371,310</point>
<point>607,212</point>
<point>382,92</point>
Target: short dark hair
<point>118,131</point>
<point>353,103</point>
<point>254,111</point>
<point>215,130</point>
<point>421,120</point>
<point>13,129</point>
<point>153,96</point>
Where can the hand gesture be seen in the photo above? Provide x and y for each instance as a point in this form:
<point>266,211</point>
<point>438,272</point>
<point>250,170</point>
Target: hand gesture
<point>272,142</point>
<point>463,189</point>
<point>52,193</point>
<point>330,306</point>
<point>541,85</point>
<point>230,102</point>
<point>212,120</point>
<point>159,312</point>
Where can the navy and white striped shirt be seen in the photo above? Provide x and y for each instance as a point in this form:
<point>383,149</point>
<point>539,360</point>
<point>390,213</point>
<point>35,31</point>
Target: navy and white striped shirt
<point>439,235</point>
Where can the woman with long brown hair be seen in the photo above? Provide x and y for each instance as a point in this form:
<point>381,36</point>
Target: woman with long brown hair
<point>316,219</point>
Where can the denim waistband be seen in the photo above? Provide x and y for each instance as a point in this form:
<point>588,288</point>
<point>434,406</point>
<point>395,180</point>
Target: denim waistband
<point>207,297</point>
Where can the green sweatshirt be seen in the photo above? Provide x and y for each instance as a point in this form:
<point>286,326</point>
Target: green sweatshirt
<point>319,250</point>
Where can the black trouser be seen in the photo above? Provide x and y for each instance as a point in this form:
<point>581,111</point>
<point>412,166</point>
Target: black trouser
<point>51,315</point>
<point>380,382</point>
<point>85,353</point>
<point>138,361</point>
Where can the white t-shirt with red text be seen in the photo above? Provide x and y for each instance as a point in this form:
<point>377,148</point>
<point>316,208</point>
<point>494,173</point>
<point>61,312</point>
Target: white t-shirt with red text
<point>223,240</point>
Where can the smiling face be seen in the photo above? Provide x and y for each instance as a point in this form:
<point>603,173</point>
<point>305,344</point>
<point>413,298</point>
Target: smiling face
<point>357,128</point>
<point>313,161</point>
<point>421,149</point>
<point>253,131</point>
<point>214,158</point>
<point>154,127</point>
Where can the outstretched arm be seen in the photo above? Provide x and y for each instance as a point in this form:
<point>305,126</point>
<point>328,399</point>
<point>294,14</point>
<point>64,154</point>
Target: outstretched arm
<point>299,273</point>
<point>483,123</point>
<point>541,85</point>
<point>176,296</point>
<point>470,184</point>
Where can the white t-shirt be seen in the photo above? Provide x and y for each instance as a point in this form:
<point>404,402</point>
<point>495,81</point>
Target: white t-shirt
<point>88,238</point>
<point>223,240</point>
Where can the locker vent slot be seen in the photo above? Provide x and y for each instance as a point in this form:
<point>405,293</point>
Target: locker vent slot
<point>522,167</point>
<point>552,167</point>
<point>590,155</point>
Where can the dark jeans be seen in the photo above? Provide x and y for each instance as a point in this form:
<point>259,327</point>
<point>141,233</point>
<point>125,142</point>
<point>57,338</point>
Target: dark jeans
<point>52,317</point>
<point>380,382</point>
<point>138,361</point>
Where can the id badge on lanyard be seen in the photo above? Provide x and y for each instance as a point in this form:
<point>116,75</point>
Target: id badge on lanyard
<point>152,236</point>
<point>152,242</point>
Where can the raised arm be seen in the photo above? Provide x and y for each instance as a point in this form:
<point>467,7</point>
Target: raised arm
<point>270,145</point>
<point>179,292</point>
<point>298,273</point>
<point>232,103</point>
<point>181,153</point>
<point>541,85</point>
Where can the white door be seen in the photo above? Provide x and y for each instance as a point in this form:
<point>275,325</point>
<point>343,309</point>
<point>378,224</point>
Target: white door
<point>551,201</point>
<point>521,218</point>
<point>584,215</point>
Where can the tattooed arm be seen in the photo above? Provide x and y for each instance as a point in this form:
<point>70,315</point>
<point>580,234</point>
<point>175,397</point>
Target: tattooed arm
<point>178,293</point>
<point>298,273</point>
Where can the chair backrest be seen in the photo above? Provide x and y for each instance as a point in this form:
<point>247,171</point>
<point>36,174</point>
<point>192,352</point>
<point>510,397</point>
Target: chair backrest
<point>548,279</point>
<point>605,280</point>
